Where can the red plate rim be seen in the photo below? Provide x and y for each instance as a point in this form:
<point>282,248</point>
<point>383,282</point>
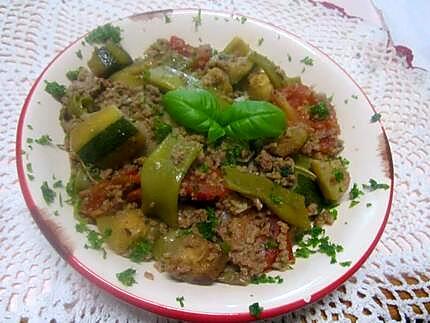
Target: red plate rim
<point>160,308</point>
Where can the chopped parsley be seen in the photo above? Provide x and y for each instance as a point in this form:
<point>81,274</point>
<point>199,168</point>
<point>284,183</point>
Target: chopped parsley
<point>233,154</point>
<point>72,75</point>
<point>374,185</point>
<point>167,19</point>
<point>355,97</point>
<point>29,126</point>
<point>30,177</point>
<point>255,310</point>
<point>345,162</point>
<point>376,117</point>
<point>271,244</point>
<point>30,140</point>
<point>184,232</point>
<point>56,213</point>
<point>286,171</point>
<point>355,192</point>
<point>55,89</point>
<point>60,199</point>
<point>345,263</point>
<point>353,203</point>
<point>368,204</point>
<point>140,251</point>
<point>208,228</point>
<point>29,168</point>
<point>104,33</point>
<point>319,111</point>
<point>266,279</point>
<point>58,184</point>
<point>260,41</point>
<point>345,101</point>
<point>204,168</point>
<point>243,20</point>
<point>79,54</point>
<point>161,130</point>
<point>317,241</point>
<point>307,61</point>
<point>126,277</point>
<point>289,57</point>
<point>96,240</point>
<point>198,20</point>
<point>81,226</point>
<point>43,140</point>
<point>276,199</point>
<point>180,300</point>
<point>333,213</point>
<point>338,175</point>
<point>48,193</point>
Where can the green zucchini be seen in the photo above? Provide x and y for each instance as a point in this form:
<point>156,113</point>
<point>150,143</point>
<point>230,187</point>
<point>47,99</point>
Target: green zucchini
<point>108,59</point>
<point>106,138</point>
<point>131,76</point>
<point>237,47</point>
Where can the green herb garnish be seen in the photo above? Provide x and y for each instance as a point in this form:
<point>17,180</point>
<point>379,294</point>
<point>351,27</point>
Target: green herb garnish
<point>96,240</point>
<point>167,19</point>
<point>30,177</point>
<point>260,41</point>
<point>276,199</point>
<point>56,213</point>
<point>333,213</point>
<point>376,117</point>
<point>345,162</point>
<point>368,204</point>
<point>271,244</point>
<point>55,89</point>
<point>204,168</point>
<point>208,228</point>
<point>255,310</point>
<point>58,184</point>
<point>104,33</point>
<point>307,61</point>
<point>266,279</point>
<point>355,97</point>
<point>355,192</point>
<point>374,185</point>
<point>317,241</point>
<point>180,300</point>
<point>43,140</point>
<point>81,226</point>
<point>161,130</point>
<point>48,193</point>
<point>29,168</point>
<point>29,126</point>
<point>79,54</point>
<point>243,20</point>
<point>140,251</point>
<point>30,140</point>
<point>345,263</point>
<point>198,20</point>
<point>289,57</point>
<point>338,175</point>
<point>286,171</point>
<point>319,111</point>
<point>72,75</point>
<point>126,277</point>
<point>353,203</point>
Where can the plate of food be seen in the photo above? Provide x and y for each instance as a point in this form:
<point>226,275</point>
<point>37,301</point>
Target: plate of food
<point>204,175</point>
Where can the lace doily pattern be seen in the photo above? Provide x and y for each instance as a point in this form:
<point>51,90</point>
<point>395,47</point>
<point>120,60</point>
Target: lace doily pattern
<point>36,285</point>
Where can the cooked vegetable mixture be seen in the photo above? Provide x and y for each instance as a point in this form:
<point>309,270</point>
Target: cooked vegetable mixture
<point>215,164</point>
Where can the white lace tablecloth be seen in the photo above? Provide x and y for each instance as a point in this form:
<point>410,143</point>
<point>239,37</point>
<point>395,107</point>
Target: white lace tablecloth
<point>36,285</point>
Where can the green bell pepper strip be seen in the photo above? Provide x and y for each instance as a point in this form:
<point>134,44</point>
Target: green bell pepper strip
<point>161,176</point>
<point>287,205</point>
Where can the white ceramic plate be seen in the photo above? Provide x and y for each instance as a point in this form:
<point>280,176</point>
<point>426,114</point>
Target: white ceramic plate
<point>358,229</point>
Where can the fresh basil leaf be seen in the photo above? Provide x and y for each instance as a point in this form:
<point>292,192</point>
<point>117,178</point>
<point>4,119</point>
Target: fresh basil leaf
<point>249,120</point>
<point>195,109</point>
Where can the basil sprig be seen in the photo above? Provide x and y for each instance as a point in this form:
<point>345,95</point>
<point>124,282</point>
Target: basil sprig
<point>199,110</point>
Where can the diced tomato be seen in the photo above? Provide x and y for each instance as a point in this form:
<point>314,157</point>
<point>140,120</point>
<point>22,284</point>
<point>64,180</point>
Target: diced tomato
<point>179,45</point>
<point>299,95</point>
<point>203,54</point>
<point>200,186</point>
<point>271,255</point>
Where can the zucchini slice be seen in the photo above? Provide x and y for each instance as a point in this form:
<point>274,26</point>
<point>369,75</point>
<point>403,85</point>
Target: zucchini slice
<point>106,138</point>
<point>108,59</point>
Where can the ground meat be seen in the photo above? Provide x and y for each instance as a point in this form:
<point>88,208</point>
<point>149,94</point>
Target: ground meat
<point>203,185</point>
<point>324,218</point>
<point>285,256</point>
<point>188,215</point>
<point>246,236</point>
<point>217,79</point>
<point>234,204</point>
<point>278,169</point>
